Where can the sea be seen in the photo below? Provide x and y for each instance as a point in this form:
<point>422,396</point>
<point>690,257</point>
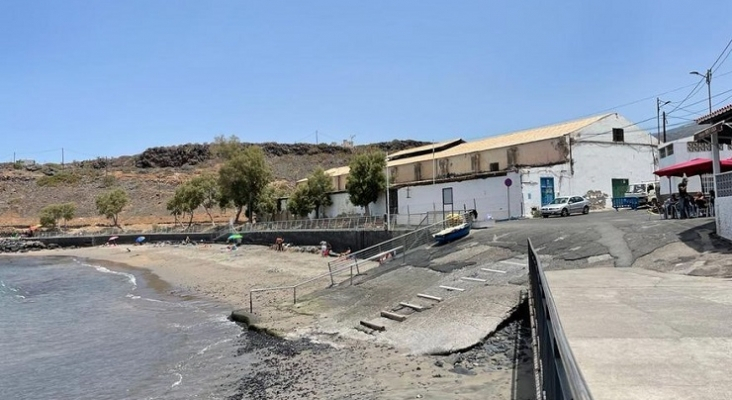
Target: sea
<point>70,329</point>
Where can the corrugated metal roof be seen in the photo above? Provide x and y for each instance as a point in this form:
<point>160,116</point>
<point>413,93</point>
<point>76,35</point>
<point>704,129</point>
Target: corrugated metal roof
<point>427,147</point>
<point>510,139</point>
<point>707,118</point>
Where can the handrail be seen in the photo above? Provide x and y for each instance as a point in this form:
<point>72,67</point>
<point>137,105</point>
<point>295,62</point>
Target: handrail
<point>294,287</point>
<point>557,375</point>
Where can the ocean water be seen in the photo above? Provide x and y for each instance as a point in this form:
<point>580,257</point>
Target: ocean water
<point>71,330</point>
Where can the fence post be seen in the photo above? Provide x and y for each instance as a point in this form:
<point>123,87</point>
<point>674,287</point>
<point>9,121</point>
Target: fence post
<point>330,271</point>
<point>351,274</point>
<point>294,295</point>
<point>404,250</point>
<point>251,303</point>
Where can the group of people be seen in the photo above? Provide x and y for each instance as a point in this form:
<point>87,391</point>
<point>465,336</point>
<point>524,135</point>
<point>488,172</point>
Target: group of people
<point>684,205</point>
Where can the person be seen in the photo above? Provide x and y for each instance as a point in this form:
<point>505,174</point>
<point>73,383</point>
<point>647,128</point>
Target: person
<point>683,204</point>
<point>669,207</point>
<point>701,204</point>
<point>712,196</point>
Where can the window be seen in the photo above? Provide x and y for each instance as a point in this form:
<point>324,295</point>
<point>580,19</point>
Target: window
<point>494,166</point>
<point>417,172</point>
<point>662,152</point>
<point>618,135</point>
<point>670,149</point>
<point>707,182</point>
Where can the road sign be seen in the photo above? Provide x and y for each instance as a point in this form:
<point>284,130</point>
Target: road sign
<point>508,182</point>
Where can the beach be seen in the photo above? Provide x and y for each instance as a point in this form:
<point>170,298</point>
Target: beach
<point>308,364</point>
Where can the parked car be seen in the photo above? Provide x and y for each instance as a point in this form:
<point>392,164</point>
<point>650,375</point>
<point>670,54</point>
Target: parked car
<point>566,205</point>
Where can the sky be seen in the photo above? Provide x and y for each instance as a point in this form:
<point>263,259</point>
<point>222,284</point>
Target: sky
<point>108,78</point>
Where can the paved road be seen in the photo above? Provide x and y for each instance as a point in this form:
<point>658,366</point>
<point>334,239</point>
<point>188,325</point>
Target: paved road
<point>640,334</point>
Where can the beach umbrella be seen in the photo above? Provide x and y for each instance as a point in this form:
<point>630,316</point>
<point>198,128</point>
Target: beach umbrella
<point>140,239</point>
<point>113,238</point>
<point>234,237</point>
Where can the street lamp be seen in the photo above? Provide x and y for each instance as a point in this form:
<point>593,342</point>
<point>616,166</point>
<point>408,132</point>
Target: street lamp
<point>660,104</point>
<point>715,136</point>
<point>708,78</point>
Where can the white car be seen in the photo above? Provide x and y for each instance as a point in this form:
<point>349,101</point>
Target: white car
<point>566,205</point>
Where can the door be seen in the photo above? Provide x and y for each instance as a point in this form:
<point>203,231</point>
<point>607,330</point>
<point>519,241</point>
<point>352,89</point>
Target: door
<point>576,206</point>
<point>547,190</point>
<point>620,186</point>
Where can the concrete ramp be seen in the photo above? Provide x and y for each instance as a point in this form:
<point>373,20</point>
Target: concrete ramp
<point>442,320</point>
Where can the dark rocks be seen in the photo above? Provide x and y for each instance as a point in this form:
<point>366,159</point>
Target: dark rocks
<point>20,246</point>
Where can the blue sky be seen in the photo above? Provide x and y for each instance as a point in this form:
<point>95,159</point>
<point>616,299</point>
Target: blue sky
<point>106,78</point>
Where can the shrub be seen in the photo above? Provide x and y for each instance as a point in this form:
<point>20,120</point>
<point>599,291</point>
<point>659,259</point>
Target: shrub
<point>61,178</point>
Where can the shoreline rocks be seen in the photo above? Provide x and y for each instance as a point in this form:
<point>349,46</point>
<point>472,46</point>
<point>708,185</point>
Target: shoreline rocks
<point>23,246</point>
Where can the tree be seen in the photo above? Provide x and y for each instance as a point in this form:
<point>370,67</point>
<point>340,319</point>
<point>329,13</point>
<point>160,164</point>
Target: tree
<point>243,178</point>
<point>299,202</point>
<point>367,178</point>
<point>319,187</point>
<point>224,148</point>
<point>111,203</point>
<point>51,214</point>
<point>186,199</point>
<point>267,202</point>
<point>209,188</point>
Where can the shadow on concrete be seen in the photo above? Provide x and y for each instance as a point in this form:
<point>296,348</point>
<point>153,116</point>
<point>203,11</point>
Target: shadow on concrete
<point>703,238</point>
<point>523,383</point>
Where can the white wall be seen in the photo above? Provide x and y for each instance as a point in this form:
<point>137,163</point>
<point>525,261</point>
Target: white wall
<point>724,205</point>
<point>487,196</point>
<point>682,154</point>
<point>531,180</point>
<point>341,205</point>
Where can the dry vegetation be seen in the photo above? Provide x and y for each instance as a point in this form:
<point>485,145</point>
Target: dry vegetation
<point>150,179</point>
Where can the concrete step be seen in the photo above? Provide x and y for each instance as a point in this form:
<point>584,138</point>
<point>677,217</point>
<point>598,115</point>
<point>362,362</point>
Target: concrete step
<point>373,325</point>
<point>451,288</point>
<point>493,270</point>
<point>467,278</point>
<point>415,307</point>
<point>393,316</point>
<point>429,297</point>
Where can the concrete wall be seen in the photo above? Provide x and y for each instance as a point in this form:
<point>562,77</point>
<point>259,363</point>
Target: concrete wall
<point>487,195</point>
<point>724,205</point>
<point>341,206</point>
<point>530,184</point>
<point>354,239</point>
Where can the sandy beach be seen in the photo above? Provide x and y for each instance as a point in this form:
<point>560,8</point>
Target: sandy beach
<point>319,366</point>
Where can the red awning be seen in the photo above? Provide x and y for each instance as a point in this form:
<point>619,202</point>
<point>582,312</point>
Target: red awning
<point>693,167</point>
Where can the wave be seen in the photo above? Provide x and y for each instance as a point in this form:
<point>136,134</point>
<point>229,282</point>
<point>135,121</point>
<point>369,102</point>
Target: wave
<point>176,383</point>
<point>205,349</point>
<point>99,268</point>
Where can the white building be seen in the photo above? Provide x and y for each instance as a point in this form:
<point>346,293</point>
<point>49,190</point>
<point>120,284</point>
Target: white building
<point>596,157</point>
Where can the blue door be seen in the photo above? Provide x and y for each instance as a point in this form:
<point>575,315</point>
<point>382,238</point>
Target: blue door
<point>547,190</point>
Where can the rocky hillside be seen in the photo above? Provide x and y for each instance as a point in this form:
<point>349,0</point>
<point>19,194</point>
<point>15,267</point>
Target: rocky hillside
<point>150,178</point>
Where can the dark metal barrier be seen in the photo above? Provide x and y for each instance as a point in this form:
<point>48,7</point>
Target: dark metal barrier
<point>556,372</point>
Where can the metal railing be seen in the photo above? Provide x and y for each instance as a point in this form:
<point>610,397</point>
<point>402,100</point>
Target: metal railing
<point>555,370</point>
<point>388,251</point>
<point>357,222</point>
<point>117,231</point>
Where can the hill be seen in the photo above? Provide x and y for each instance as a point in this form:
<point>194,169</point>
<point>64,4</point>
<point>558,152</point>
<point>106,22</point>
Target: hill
<point>150,178</point>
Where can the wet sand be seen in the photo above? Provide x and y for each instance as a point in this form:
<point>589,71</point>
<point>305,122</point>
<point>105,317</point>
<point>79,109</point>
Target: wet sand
<point>319,366</point>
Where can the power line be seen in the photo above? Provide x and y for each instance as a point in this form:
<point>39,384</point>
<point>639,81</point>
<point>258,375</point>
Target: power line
<point>720,56</point>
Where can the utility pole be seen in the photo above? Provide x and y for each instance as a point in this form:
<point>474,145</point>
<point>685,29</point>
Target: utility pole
<point>664,126</point>
<point>13,157</point>
<point>62,158</point>
<point>316,137</point>
<point>660,104</point>
<point>388,213</point>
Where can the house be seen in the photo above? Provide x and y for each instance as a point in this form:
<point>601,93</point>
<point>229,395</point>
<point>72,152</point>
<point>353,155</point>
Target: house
<point>684,148</point>
<point>512,175</point>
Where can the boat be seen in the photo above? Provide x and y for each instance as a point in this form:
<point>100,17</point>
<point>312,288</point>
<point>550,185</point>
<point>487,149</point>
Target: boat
<point>452,233</point>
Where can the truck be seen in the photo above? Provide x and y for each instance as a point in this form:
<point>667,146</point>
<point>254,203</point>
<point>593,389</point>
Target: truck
<point>641,191</point>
